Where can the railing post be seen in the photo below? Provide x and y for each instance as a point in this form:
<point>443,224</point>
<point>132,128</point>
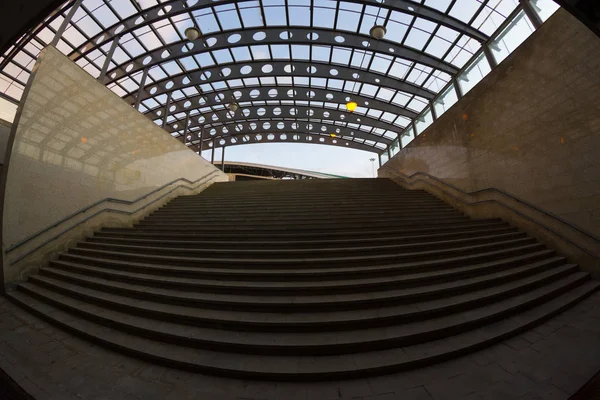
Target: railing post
<point>223,158</point>
<point>66,22</point>
<point>201,144</point>
<point>212,154</point>
<point>489,56</point>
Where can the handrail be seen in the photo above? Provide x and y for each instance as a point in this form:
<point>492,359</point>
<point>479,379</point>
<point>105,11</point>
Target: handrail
<point>413,178</point>
<point>106,209</point>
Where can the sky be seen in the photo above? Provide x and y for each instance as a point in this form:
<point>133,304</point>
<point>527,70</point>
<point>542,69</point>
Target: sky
<point>321,158</point>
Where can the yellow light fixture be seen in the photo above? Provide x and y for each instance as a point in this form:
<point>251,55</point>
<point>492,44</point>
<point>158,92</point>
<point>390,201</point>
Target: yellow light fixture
<point>351,106</point>
<point>332,135</point>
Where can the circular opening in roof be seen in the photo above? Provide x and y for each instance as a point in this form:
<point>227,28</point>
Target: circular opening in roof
<point>311,94</point>
<point>234,38</point>
<point>140,19</point>
<point>340,39</point>
<point>310,112</point>
<point>309,127</point>
<point>321,140</point>
<point>289,68</point>
<point>245,70</point>
<point>411,8</point>
<point>165,54</point>
<point>294,125</point>
<point>259,36</point>
<point>147,60</point>
<point>222,142</point>
<point>261,111</point>
<point>355,75</point>
<point>272,92</point>
<point>185,80</point>
<point>239,127</point>
<point>311,70</point>
<point>266,125</point>
<point>210,42</point>
<point>392,50</point>
<point>119,28</point>
<point>187,104</point>
<point>293,111</point>
<point>169,84</point>
<point>366,43</point>
<point>323,128</point>
<point>233,140</point>
<point>172,108</point>
<point>153,90</point>
<point>291,93</point>
<point>377,80</point>
<point>205,75</point>
<point>253,126</point>
<point>254,93</point>
<point>225,72</point>
<point>326,114</point>
<point>237,94</point>
<point>187,47</point>
<point>277,111</point>
<point>280,125</point>
<point>285,35</point>
<point>267,68</point>
<point>219,97</point>
<point>296,137</point>
<point>333,71</point>
<point>164,10</point>
<point>329,96</point>
<point>270,136</point>
<point>312,36</point>
<point>258,136</point>
<point>246,138</point>
<point>215,117</point>
<point>201,101</point>
<point>201,119</point>
<point>246,112</point>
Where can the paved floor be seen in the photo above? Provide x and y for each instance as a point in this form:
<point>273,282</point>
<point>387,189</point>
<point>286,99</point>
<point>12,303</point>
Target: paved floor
<point>550,362</point>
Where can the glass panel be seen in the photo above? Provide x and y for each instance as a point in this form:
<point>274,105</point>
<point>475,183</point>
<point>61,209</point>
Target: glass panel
<point>394,148</point>
<point>511,37</point>
<point>474,73</point>
<point>383,157</point>
<point>423,121</point>
<point>445,101</point>
<point>544,8</point>
<point>407,136</point>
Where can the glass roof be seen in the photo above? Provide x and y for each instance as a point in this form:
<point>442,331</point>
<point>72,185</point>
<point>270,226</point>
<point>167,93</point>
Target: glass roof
<point>291,65</point>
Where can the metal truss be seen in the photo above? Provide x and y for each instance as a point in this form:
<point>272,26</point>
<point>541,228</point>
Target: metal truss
<point>141,53</point>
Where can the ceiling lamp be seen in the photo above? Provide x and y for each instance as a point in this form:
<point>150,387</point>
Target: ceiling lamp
<point>378,32</point>
<point>233,106</point>
<point>192,33</point>
<point>351,106</point>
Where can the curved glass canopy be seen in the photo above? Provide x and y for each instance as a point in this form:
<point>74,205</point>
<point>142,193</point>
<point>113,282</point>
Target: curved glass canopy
<point>290,66</point>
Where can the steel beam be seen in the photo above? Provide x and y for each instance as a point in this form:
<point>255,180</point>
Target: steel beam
<point>276,69</point>
<point>173,8</point>
<point>222,41</point>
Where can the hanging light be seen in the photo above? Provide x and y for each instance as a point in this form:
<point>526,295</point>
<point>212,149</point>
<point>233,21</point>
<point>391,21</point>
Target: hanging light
<point>351,106</point>
<point>192,33</point>
<point>378,32</point>
<point>233,106</point>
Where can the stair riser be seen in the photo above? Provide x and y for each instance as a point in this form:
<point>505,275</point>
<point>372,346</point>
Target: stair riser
<point>314,252</point>
<point>293,216</point>
<point>266,262</point>
<point>381,233</point>
<point>298,222</point>
<point>350,243</point>
<point>391,270</point>
<point>356,287</point>
<point>331,349</point>
<point>280,307</point>
<point>305,377</point>
<point>288,228</point>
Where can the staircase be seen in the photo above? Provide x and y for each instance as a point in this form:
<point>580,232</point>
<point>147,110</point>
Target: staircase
<point>304,280</point>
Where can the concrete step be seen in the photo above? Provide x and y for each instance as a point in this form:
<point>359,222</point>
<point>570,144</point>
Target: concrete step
<point>207,243</point>
<point>278,302</point>
<point>304,261</point>
<point>297,321</point>
<point>467,226</point>
<point>313,343</point>
<point>261,272</point>
<point>281,252</point>
<point>312,226</point>
<point>523,313</point>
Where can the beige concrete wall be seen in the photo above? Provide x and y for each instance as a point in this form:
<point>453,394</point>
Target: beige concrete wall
<point>530,128</point>
<point>77,143</point>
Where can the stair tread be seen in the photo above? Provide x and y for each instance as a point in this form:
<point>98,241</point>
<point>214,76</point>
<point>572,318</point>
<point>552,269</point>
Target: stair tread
<point>310,367</point>
<point>305,285</point>
<point>294,301</point>
<point>306,271</point>
<point>312,250</point>
<point>305,260</point>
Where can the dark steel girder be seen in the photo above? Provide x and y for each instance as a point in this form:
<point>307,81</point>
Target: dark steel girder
<point>175,7</point>
<point>280,137</point>
<point>284,112</point>
<point>301,36</point>
<point>275,69</point>
<point>240,127</point>
<point>282,93</point>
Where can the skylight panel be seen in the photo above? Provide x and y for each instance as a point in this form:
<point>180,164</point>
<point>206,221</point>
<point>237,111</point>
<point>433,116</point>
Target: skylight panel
<point>228,17</point>
<point>241,54</point>
<point>207,23</point>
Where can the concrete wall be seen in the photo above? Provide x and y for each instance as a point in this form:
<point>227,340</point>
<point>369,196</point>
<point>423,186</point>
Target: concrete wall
<point>5,128</point>
<point>77,143</point>
<point>530,128</point>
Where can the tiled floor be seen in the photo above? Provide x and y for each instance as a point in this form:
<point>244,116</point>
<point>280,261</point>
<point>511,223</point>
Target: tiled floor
<point>550,362</point>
